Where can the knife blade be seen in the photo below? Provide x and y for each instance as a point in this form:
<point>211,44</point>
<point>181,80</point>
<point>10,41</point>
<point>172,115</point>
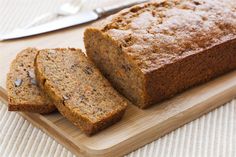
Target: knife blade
<point>51,26</point>
<point>65,22</point>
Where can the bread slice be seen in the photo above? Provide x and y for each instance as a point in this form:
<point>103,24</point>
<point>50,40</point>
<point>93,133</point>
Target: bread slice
<point>23,92</point>
<point>78,89</point>
<point>152,51</point>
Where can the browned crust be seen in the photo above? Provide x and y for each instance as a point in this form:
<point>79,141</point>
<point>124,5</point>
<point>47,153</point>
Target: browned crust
<point>173,52</point>
<point>82,122</point>
<point>31,108</point>
<point>190,71</point>
<point>184,73</point>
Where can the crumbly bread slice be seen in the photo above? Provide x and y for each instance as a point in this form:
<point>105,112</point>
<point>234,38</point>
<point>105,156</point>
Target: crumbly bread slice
<point>23,92</point>
<point>152,51</point>
<point>79,91</point>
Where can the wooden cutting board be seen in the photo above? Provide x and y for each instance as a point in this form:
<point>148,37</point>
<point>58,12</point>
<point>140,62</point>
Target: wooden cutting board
<point>138,127</point>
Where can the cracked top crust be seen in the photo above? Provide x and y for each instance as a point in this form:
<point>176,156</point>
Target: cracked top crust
<point>159,33</point>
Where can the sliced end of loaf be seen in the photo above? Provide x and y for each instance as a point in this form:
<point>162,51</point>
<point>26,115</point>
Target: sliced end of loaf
<point>117,66</point>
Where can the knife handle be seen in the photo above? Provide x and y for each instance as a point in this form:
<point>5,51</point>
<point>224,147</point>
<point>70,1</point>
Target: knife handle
<point>105,11</point>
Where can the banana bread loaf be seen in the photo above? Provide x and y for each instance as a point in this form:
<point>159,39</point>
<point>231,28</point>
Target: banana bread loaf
<point>153,51</point>
<point>78,89</point>
<point>23,92</point>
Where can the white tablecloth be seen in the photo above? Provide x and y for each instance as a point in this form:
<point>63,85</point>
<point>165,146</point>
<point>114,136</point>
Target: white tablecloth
<point>212,135</point>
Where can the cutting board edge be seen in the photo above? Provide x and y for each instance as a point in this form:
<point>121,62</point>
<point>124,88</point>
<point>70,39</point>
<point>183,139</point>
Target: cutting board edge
<point>204,107</point>
<point>42,123</point>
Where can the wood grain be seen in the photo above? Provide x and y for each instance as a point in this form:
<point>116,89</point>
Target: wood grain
<point>138,127</point>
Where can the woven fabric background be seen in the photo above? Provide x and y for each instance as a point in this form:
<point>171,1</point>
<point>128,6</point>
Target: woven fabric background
<point>212,135</point>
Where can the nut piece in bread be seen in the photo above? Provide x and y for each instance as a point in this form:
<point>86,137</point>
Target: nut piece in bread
<point>23,91</point>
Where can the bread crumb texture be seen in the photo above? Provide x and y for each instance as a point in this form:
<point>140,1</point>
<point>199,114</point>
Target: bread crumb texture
<point>78,89</point>
<point>23,91</point>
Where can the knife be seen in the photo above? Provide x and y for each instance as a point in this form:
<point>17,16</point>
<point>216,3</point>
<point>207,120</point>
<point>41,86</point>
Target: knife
<point>65,22</point>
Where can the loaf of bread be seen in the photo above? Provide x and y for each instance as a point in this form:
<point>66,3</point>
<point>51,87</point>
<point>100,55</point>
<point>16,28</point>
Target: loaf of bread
<point>23,92</point>
<point>153,51</point>
<point>78,89</point>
